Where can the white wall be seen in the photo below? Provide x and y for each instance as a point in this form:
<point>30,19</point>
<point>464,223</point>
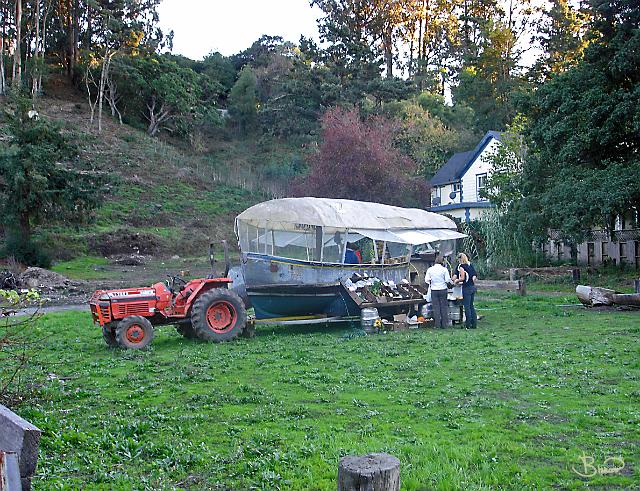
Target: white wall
<point>480,166</point>
<point>444,194</point>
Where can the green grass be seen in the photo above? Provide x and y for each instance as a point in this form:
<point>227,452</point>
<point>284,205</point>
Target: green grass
<point>82,268</point>
<point>511,405</point>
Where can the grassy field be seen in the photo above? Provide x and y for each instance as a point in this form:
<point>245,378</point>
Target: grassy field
<point>512,405</point>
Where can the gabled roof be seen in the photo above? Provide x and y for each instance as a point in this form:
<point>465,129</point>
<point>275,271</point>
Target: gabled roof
<point>459,163</point>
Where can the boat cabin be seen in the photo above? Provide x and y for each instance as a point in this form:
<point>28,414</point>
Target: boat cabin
<point>296,251</point>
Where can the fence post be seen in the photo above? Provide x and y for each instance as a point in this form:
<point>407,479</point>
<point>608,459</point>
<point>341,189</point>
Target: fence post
<point>522,288</point>
<point>636,283</point>
<point>575,275</point>
<point>379,471</point>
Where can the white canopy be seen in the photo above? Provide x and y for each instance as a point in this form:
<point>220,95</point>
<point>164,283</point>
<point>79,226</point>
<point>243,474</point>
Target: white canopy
<point>294,213</point>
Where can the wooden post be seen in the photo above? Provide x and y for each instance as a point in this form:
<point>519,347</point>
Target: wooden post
<point>636,283</point>
<point>522,289</point>
<point>513,274</point>
<point>21,437</point>
<point>575,275</point>
<point>373,472</point>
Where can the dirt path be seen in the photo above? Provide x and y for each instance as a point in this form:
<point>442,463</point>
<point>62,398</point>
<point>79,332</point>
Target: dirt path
<point>52,309</point>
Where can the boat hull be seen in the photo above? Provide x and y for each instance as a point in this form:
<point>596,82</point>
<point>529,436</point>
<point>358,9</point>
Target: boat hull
<point>280,287</point>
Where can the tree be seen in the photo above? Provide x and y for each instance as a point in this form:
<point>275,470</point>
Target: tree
<point>431,131</point>
<point>165,94</point>
<point>220,69</point>
<point>357,160</point>
<point>243,101</point>
<point>504,183</point>
<point>351,54</point>
<point>17,54</point>
<point>42,178</point>
<point>562,37</point>
<point>583,168</point>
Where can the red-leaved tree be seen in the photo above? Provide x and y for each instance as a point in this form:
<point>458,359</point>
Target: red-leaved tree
<point>357,160</point>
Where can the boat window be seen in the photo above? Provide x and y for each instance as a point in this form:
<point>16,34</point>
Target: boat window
<point>248,237</point>
<point>334,245</point>
<point>294,245</point>
<point>397,252</point>
<point>445,247</point>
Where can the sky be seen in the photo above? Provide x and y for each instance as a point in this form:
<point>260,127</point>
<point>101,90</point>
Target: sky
<point>205,26</point>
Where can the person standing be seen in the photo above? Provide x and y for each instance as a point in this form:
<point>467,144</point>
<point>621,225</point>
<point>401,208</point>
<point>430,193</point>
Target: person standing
<point>466,277</point>
<point>350,256</point>
<point>438,278</point>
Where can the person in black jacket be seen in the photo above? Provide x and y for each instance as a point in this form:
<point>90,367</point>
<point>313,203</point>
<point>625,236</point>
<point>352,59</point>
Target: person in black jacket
<point>466,277</point>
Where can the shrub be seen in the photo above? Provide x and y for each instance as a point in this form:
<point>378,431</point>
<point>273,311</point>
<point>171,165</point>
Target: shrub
<point>29,252</point>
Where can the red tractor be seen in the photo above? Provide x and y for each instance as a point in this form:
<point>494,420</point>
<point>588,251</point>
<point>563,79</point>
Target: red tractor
<point>204,308</point>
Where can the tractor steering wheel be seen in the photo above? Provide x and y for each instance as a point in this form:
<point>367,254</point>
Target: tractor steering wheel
<point>174,281</point>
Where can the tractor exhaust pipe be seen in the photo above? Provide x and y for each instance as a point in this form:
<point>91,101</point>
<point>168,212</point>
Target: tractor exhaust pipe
<point>212,258</point>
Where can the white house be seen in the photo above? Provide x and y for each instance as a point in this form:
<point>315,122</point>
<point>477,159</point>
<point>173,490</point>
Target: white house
<point>456,191</point>
<point>457,184</point>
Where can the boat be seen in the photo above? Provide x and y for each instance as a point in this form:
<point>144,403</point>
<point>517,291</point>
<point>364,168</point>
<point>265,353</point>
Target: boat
<point>294,255</point>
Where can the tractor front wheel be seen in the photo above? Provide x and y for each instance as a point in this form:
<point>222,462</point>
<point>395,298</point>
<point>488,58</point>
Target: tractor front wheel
<point>218,315</point>
<point>109,334</point>
<point>134,332</point>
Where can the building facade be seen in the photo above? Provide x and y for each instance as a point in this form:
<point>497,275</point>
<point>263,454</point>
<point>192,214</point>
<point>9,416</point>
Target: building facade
<point>456,189</point>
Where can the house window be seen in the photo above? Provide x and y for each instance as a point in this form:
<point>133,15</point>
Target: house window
<point>435,197</point>
<point>604,249</point>
<point>559,250</point>
<point>481,185</point>
<point>591,253</point>
<point>457,189</point>
<point>637,243</point>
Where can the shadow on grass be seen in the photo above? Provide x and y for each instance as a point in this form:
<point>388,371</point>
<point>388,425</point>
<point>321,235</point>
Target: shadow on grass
<point>297,330</point>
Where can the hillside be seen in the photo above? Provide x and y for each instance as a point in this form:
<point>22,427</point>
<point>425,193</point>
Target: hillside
<point>163,199</point>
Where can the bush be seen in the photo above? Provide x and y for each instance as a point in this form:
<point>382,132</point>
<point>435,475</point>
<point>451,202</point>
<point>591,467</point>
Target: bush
<point>17,347</point>
<point>28,252</point>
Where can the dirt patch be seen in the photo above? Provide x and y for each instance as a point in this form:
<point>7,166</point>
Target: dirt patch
<point>124,242</point>
<point>54,289</point>
<point>43,278</point>
<point>130,260</point>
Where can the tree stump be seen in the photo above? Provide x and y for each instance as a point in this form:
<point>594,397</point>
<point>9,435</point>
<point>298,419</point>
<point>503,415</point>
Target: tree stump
<point>373,472</point>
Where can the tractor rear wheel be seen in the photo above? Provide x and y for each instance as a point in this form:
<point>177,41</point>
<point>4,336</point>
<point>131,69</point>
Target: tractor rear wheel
<point>186,330</point>
<point>218,315</point>
<point>134,332</point>
<point>109,334</point>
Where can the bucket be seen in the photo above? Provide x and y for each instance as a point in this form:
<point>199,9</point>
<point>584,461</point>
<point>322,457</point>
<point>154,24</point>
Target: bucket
<point>426,311</point>
<point>457,291</point>
<point>368,317</point>
<point>454,311</point>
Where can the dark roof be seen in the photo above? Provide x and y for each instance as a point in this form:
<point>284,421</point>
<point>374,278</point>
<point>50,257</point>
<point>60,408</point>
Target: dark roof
<point>458,164</point>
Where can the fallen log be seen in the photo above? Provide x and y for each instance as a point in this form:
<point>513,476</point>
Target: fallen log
<point>630,299</point>
<point>592,296</point>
